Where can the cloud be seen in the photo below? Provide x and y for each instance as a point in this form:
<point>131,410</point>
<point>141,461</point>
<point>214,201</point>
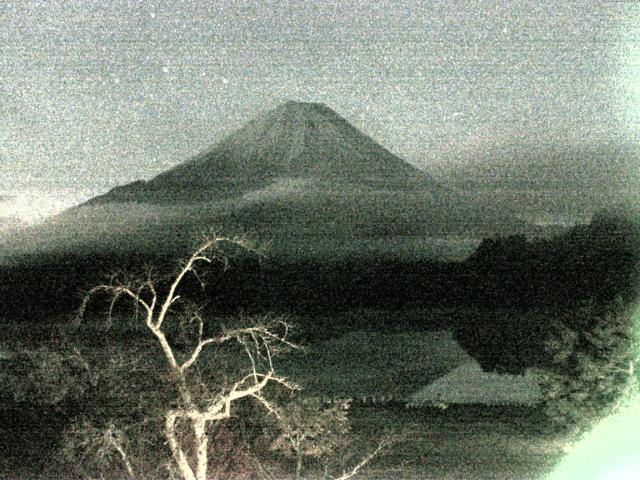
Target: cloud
<point>282,187</point>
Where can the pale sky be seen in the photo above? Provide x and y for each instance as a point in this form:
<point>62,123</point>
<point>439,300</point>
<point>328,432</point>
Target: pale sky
<point>98,93</point>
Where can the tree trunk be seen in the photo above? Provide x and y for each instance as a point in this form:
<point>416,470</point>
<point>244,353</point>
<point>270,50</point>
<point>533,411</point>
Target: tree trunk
<point>298,465</point>
<point>179,456</point>
<point>200,434</point>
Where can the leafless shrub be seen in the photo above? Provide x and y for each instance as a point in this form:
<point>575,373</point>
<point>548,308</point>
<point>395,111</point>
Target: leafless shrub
<point>197,407</point>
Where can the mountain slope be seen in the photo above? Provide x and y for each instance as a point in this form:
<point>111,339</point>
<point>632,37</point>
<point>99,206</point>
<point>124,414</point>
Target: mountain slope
<point>300,176</point>
<point>295,140</point>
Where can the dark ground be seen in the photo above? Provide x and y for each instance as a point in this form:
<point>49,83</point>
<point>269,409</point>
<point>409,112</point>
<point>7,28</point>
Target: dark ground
<point>471,442</point>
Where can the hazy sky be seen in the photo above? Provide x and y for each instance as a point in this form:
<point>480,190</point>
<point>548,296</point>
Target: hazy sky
<point>98,93</point>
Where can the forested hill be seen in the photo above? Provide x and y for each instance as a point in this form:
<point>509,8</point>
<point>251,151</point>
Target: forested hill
<point>596,261</point>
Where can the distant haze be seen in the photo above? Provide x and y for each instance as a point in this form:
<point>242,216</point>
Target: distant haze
<point>97,94</point>
<point>38,202</point>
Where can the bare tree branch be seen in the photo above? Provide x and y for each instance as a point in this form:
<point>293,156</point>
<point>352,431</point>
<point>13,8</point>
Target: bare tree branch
<point>198,256</point>
<point>196,352</point>
<point>258,340</point>
<point>363,462</point>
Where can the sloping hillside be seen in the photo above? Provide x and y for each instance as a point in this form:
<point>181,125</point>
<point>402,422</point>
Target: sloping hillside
<point>296,140</point>
<point>299,176</point>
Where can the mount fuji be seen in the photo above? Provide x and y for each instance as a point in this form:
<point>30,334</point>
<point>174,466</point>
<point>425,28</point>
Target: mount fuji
<point>300,176</point>
<point>296,141</point>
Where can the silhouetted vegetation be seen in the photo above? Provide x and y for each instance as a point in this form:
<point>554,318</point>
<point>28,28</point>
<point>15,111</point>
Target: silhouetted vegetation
<point>589,261</point>
<point>535,278</point>
<point>592,364</point>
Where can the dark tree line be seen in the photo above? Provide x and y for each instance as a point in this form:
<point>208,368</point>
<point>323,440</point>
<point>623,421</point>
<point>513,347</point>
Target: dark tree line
<point>590,262</point>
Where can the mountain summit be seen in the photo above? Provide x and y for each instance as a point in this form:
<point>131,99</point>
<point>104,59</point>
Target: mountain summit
<point>294,140</point>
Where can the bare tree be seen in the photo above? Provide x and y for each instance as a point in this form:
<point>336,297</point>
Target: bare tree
<point>311,429</point>
<point>196,412</point>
